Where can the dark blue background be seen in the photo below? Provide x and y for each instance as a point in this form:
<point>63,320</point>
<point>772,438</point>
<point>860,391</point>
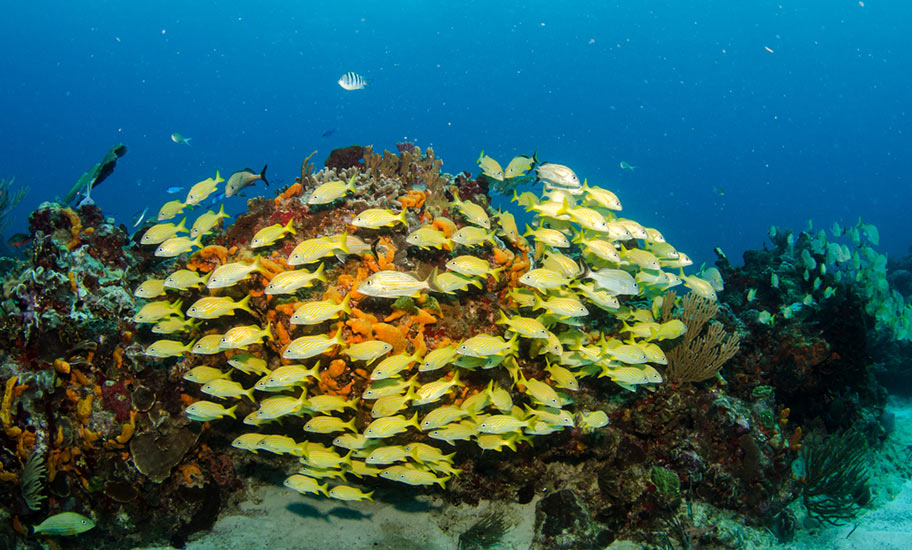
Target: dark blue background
<point>819,129</point>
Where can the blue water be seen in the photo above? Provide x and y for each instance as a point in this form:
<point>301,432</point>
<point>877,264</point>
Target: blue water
<point>797,110</point>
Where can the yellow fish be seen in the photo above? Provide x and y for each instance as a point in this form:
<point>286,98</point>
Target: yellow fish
<point>433,391</point>
<point>454,432</point>
<point>413,476</point>
<point>519,166</point>
<point>641,258</point>
<point>603,249</point>
<point>428,237</point>
<point>332,403</point>
<point>286,376</point>
<point>312,250</point>
<point>204,411</point>
<point>249,364</point>
<point>392,284</point>
<point>523,326</point>
<point>563,378</point>
<point>242,337</point>
<point>484,345</point>
<point>471,235</point>
<point>373,218</point>
<point>203,374</point>
<point>170,209</point>
<point>313,313</point>
<point>508,226</point>
<point>207,345</point>
<point>155,311</point>
<point>632,374</point>
<point>474,213</point>
<point>161,232</point>
<point>170,325</point>
<point>288,282</point>
<point>368,351</point>
<point>438,358</point>
<point>424,453</point>
<point>332,191</point>
<point>442,416</point>
<point>230,274</point>
<point>700,287</point>
<point>223,388</point>
<point>328,424</point>
<point>213,307</point>
<point>562,307</point>
<point>390,426</point>
<point>205,222</point>
<point>203,189</point>
<point>449,283</point>
<point>248,442</point>
<point>566,266</point>
<point>354,442</point>
<point>541,392</point>
<point>306,485</point>
<point>150,288</point>
<point>588,218</point>
<point>346,493</point>
<point>167,348</point>
<point>473,267</point>
<point>175,246</point>
<point>594,420</point>
<point>393,365</point>
<point>184,279</point>
<point>318,458</point>
<point>601,197</point>
<point>500,424</point>
<point>388,455</point>
<point>269,235</point>
<point>548,236</point>
<point>310,346</point>
<point>391,404</point>
<point>390,386</point>
<point>490,167</point>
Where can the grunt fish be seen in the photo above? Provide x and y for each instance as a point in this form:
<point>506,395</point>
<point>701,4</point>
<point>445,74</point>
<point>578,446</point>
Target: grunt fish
<point>244,178</point>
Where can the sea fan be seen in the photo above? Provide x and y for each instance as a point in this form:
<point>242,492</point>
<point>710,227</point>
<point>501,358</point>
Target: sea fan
<point>32,482</point>
<point>488,532</point>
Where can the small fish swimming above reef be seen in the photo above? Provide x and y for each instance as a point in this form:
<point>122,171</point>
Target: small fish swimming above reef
<point>242,179</point>
<point>519,166</point>
<point>203,189</point>
<point>558,176</point>
<point>627,166</point>
<point>490,167</point>
<point>352,81</point>
<point>176,137</point>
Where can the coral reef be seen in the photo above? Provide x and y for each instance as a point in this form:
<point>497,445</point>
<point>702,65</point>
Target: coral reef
<point>482,322</point>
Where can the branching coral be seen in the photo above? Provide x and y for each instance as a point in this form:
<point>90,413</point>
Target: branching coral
<point>701,353</point>
<point>9,198</point>
<point>836,480</point>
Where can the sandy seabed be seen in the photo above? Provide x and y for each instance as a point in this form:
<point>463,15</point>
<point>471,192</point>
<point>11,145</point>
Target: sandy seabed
<point>276,518</point>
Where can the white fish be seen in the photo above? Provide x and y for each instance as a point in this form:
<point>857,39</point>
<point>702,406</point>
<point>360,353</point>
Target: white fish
<point>353,81</point>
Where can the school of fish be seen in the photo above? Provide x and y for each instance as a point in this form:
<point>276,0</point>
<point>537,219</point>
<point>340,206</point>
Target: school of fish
<point>583,255</point>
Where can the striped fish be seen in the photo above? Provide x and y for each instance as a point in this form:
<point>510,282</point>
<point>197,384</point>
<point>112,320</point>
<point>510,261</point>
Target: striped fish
<point>66,523</point>
<point>353,81</point>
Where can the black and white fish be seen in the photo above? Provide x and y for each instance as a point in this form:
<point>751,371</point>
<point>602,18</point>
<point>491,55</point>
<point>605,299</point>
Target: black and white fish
<point>353,81</point>
<point>243,178</point>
